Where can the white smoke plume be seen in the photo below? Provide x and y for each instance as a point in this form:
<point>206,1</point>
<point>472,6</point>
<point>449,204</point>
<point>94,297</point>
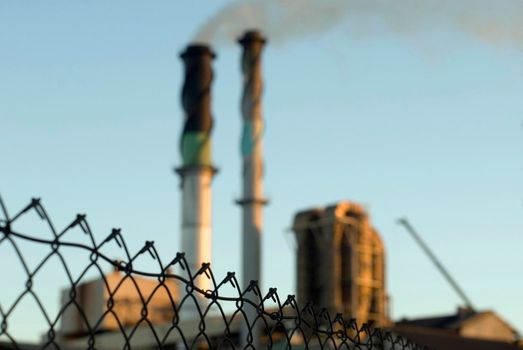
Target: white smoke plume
<point>496,22</point>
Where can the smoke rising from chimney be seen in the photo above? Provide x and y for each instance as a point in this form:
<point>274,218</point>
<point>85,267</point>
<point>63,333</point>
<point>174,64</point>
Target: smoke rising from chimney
<point>495,22</point>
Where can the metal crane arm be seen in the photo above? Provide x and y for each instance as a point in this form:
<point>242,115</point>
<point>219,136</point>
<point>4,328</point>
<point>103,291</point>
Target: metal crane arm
<point>436,262</point>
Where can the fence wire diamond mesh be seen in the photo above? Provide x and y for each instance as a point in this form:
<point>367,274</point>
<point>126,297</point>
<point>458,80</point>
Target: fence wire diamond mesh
<point>112,304</point>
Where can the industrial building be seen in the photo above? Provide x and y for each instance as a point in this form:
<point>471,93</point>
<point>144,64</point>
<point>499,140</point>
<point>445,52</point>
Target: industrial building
<point>464,330</point>
<point>341,262</point>
<point>115,301</point>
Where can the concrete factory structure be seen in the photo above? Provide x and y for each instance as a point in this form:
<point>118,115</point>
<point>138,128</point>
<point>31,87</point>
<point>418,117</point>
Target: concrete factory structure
<point>341,262</point>
<point>464,330</point>
<point>126,302</point>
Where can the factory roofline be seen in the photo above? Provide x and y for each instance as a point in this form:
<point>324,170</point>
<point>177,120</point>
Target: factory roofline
<point>436,338</point>
<point>452,321</point>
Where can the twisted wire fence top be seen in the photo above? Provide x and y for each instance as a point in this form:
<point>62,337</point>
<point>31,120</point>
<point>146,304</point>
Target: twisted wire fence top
<point>130,308</point>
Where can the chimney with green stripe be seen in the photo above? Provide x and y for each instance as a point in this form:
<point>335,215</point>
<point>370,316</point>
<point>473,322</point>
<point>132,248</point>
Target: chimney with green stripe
<point>197,172</point>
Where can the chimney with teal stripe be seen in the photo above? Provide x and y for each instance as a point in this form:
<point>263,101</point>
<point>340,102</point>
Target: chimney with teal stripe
<point>197,171</point>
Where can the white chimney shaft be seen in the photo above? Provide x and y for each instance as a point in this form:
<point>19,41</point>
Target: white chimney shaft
<point>252,155</point>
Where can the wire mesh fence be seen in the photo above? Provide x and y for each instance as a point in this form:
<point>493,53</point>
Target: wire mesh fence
<point>112,304</point>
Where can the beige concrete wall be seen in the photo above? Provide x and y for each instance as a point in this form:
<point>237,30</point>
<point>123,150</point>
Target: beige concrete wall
<point>487,326</point>
<point>128,295</point>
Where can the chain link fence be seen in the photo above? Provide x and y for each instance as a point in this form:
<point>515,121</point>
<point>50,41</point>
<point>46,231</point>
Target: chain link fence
<point>112,304</point>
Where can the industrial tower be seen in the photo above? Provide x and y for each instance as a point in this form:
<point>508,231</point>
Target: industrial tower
<point>341,262</point>
<point>197,171</point>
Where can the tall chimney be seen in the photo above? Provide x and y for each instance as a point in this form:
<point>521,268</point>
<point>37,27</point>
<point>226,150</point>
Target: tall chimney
<point>252,155</point>
<point>196,172</point>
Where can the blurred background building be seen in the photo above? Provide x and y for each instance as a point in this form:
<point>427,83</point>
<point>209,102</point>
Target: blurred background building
<point>341,262</point>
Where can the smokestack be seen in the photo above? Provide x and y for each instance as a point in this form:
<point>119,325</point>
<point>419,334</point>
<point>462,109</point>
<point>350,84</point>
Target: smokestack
<point>252,155</point>
<point>196,172</point>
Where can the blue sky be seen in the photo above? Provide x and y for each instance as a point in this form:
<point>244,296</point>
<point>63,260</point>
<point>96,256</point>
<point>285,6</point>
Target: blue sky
<point>425,126</point>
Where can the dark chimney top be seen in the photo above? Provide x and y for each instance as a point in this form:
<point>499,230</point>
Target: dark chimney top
<point>252,36</point>
<point>195,143</point>
<point>197,50</point>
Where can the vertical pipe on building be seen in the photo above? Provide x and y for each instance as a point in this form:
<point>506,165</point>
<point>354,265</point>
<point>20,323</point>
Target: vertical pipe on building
<point>197,171</point>
<point>253,200</point>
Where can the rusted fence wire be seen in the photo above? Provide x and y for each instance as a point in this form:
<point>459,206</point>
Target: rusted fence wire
<point>111,304</point>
